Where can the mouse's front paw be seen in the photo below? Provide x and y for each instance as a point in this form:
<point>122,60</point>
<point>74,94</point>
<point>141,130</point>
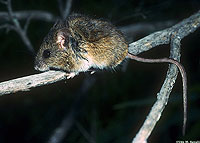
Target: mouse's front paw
<point>71,75</point>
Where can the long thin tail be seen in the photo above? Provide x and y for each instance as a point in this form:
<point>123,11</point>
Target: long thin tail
<point>184,80</point>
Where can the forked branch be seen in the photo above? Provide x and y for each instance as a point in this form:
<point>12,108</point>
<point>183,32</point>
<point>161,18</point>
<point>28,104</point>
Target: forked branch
<point>172,36</point>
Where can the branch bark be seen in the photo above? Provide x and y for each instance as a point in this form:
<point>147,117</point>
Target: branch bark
<point>182,29</point>
<point>162,96</point>
<point>27,82</point>
<point>173,35</point>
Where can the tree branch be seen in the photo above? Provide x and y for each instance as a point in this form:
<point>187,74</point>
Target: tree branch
<point>162,97</point>
<point>18,28</point>
<point>35,14</point>
<point>68,5</point>
<point>64,8</point>
<point>173,35</point>
<point>27,82</point>
<point>145,28</point>
<point>142,45</point>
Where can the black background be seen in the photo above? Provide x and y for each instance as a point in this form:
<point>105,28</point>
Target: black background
<point>118,102</point>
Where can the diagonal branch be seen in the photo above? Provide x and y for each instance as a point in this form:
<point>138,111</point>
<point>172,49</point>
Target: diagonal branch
<point>27,82</point>
<point>183,28</point>
<point>142,45</point>
<point>174,35</point>
<point>162,96</point>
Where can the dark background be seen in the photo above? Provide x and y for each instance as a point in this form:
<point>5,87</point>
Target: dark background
<point>117,103</point>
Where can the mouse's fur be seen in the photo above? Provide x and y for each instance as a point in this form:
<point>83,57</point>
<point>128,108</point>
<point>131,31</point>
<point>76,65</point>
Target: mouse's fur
<point>80,43</point>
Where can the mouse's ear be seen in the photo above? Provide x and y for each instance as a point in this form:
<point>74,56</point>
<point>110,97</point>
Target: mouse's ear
<point>62,38</point>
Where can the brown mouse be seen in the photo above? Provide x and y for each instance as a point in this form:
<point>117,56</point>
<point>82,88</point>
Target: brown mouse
<point>80,43</point>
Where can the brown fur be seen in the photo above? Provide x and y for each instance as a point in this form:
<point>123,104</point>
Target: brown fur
<point>95,44</point>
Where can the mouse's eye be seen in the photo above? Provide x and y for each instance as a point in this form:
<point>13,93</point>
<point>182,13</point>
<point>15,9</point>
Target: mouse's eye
<point>46,54</point>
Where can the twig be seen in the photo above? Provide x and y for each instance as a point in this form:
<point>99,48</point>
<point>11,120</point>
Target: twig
<point>68,5</point>
<point>7,27</point>
<point>35,14</point>
<point>18,28</point>
<point>27,24</point>
<point>179,31</point>
<point>64,8</point>
<point>87,136</point>
<point>60,6</point>
<point>129,30</point>
<point>3,1</point>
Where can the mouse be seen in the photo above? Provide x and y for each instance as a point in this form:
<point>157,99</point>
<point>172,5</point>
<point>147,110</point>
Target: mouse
<point>81,43</point>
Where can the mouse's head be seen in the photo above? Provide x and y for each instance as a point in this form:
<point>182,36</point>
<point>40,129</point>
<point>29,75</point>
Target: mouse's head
<point>59,50</point>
